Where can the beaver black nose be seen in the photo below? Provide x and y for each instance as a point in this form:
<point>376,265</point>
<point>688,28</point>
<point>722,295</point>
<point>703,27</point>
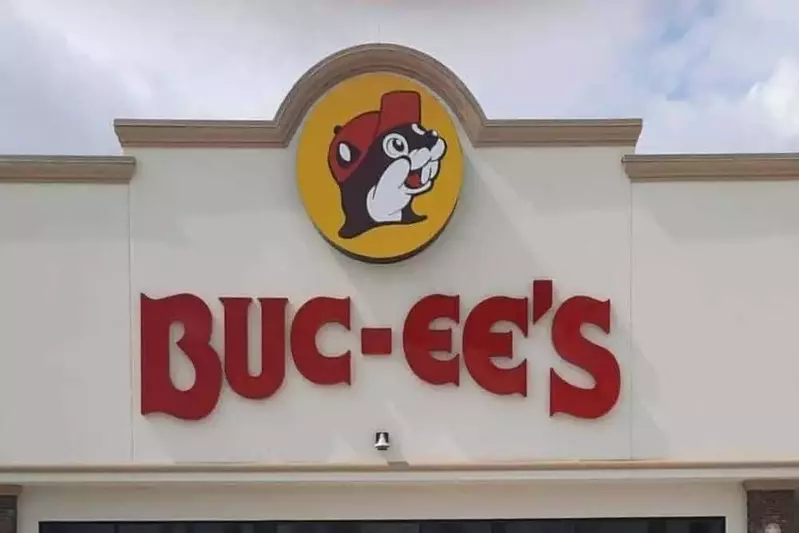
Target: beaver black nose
<point>430,138</point>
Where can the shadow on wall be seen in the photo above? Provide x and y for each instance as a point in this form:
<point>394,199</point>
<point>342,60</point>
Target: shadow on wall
<point>713,287</point>
<point>556,180</point>
<point>189,185</point>
<point>491,247</point>
<point>721,211</point>
<point>492,213</point>
<point>63,213</point>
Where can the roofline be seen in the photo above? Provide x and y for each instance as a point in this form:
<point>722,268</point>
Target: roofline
<point>712,167</point>
<point>364,59</point>
<point>66,169</point>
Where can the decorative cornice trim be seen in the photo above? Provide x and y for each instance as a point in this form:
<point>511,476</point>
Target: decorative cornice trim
<point>66,169</point>
<point>401,472</point>
<point>712,167</point>
<point>363,59</point>
<point>631,464</point>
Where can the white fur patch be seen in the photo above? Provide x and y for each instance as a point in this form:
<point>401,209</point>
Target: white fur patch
<point>386,200</point>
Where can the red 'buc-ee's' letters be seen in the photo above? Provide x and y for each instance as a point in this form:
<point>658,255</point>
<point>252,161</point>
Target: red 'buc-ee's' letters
<point>309,320</point>
<point>599,362</point>
<point>419,342</point>
<point>273,347</point>
<point>158,393</point>
<point>481,345</point>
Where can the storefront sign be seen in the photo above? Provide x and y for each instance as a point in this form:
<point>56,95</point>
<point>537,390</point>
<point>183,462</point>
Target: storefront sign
<point>418,340</point>
<point>379,172</point>
<point>379,167</point>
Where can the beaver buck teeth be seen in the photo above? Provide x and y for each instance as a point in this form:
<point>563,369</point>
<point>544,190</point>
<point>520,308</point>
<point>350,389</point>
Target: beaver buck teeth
<point>419,178</point>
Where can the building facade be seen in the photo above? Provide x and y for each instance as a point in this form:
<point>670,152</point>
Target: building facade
<point>383,310</point>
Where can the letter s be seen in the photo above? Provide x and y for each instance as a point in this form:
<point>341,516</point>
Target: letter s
<point>599,362</point>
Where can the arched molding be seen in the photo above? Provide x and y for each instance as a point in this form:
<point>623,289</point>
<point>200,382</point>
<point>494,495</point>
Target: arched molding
<point>364,59</point>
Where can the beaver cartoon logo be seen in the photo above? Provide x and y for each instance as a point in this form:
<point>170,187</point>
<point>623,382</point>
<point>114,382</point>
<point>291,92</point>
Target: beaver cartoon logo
<point>379,167</point>
<point>382,160</point>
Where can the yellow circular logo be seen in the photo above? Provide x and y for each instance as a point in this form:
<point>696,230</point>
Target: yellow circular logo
<point>379,167</point>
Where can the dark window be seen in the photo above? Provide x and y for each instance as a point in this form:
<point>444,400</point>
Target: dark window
<point>565,525</point>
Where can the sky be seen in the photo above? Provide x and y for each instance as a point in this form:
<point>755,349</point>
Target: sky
<point>705,75</point>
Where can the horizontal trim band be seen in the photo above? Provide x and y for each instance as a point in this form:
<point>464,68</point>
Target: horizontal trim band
<point>712,167</point>
<point>641,168</point>
<point>199,133</point>
<point>267,134</point>
<point>244,473</point>
<point>633,464</point>
<point>66,169</point>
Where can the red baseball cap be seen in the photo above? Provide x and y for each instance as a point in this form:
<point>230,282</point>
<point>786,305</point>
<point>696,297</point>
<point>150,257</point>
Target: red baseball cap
<point>397,108</point>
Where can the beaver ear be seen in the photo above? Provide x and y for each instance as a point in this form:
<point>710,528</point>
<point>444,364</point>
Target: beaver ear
<point>336,129</point>
<point>346,154</point>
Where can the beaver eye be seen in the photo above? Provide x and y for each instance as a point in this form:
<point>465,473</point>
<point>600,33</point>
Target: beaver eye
<point>395,145</point>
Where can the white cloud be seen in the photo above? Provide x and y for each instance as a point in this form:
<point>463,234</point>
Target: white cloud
<point>706,75</point>
<point>722,85</point>
<point>778,97</point>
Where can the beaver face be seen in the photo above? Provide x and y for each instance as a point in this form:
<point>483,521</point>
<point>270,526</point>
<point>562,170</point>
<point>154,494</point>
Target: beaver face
<point>399,165</point>
<point>409,161</point>
<point>419,149</point>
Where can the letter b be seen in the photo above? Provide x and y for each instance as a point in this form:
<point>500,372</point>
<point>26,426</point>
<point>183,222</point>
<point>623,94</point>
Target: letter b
<point>158,392</point>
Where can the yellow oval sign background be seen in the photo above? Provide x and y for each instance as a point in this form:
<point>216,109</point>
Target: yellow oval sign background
<point>320,191</point>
